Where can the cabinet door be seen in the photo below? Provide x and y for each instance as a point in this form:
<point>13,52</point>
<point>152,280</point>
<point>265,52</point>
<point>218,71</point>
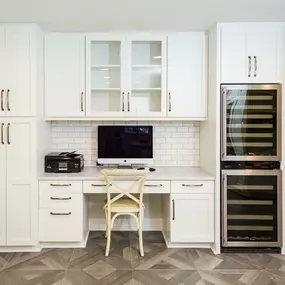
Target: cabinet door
<point>146,74</point>
<point>64,75</point>
<point>262,41</point>
<point>21,194</point>
<point>236,66</point>
<point>2,72</point>
<point>105,75</point>
<point>2,184</point>
<point>20,62</point>
<point>192,218</point>
<point>186,75</point>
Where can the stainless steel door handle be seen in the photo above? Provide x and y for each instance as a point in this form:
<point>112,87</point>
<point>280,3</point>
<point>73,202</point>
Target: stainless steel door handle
<point>123,102</point>
<point>128,101</point>
<point>100,185</point>
<point>82,102</point>
<point>60,185</point>
<point>8,100</point>
<point>61,199</point>
<point>154,185</point>
<point>192,185</point>
<point>173,209</point>
<point>169,101</point>
<point>2,98</point>
<point>8,133</point>
<point>60,214</point>
<point>255,66</point>
<point>2,133</point>
<point>249,66</point>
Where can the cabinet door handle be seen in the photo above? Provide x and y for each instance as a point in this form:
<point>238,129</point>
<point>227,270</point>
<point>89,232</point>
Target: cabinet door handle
<point>8,133</point>
<point>60,185</point>
<point>8,100</point>
<point>155,185</point>
<point>169,101</point>
<point>255,66</point>
<point>128,101</point>
<point>173,209</point>
<point>123,102</point>
<point>82,102</point>
<point>2,98</point>
<point>100,185</point>
<point>192,185</point>
<point>55,198</point>
<point>249,66</point>
<point>2,133</point>
<point>60,214</point>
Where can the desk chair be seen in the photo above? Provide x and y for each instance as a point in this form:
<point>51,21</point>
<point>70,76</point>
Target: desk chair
<point>124,203</point>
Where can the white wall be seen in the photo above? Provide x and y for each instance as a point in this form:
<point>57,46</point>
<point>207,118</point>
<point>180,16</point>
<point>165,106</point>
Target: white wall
<point>175,143</point>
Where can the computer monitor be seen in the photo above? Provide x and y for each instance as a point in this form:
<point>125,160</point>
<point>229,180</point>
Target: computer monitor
<point>125,145</point>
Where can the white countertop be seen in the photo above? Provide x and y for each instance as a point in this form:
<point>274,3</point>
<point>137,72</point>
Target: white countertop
<point>161,173</point>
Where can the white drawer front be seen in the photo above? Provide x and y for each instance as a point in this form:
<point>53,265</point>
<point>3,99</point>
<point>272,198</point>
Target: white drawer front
<point>194,187</point>
<point>61,187</point>
<point>53,200</point>
<point>60,225</point>
<point>151,187</point>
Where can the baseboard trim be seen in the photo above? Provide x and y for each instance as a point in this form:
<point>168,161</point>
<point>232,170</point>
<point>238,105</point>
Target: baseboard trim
<point>20,248</point>
<point>125,225</point>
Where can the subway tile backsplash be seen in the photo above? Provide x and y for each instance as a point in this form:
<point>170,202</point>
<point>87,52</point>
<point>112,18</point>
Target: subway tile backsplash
<point>175,143</point>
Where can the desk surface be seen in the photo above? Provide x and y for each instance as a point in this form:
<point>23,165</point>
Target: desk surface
<point>161,173</point>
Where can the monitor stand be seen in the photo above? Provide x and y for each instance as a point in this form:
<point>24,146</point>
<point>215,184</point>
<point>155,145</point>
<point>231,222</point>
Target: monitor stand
<point>125,166</point>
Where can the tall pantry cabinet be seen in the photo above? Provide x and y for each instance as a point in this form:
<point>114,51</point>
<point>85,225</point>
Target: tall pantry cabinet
<point>20,92</point>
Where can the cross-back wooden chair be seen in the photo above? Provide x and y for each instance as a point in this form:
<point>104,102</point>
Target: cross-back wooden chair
<point>124,203</point>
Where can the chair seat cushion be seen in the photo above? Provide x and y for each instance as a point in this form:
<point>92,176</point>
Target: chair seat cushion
<point>123,205</point>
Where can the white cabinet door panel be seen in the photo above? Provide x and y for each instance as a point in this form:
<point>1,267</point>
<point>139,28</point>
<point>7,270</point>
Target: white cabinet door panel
<point>20,198</point>
<point>19,53</point>
<point>64,75</point>
<point>2,71</point>
<point>2,184</point>
<point>235,63</point>
<point>186,75</point>
<point>192,218</point>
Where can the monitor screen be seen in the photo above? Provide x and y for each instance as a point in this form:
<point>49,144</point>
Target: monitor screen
<point>125,142</point>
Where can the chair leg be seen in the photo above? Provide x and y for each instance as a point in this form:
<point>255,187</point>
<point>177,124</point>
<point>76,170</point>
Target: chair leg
<point>106,217</point>
<point>141,235</point>
<point>108,232</point>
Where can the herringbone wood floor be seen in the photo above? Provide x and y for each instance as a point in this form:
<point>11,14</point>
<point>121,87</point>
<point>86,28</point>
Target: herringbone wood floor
<point>124,266</point>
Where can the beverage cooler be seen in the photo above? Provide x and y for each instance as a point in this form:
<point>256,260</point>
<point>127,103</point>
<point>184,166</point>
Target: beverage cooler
<point>251,184</point>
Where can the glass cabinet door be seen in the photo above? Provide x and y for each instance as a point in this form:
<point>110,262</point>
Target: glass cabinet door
<point>104,76</point>
<point>251,122</point>
<point>251,204</point>
<point>146,94</point>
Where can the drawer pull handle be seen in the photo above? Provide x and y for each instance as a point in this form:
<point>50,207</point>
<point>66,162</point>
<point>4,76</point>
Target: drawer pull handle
<point>156,185</point>
<point>60,185</point>
<point>192,185</point>
<point>54,198</point>
<point>173,210</point>
<point>100,185</point>
<point>60,214</point>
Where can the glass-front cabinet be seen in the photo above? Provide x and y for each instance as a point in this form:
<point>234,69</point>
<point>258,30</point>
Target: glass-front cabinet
<point>251,116</point>
<point>125,75</point>
<point>251,208</point>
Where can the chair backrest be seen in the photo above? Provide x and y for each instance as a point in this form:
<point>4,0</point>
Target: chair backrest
<point>114,179</point>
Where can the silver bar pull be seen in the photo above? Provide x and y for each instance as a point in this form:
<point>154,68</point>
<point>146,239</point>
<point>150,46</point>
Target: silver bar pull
<point>123,102</point>
<point>129,102</point>
<point>255,66</point>
<point>60,185</point>
<point>82,102</point>
<point>60,214</point>
<point>169,101</point>
<point>155,185</point>
<point>8,100</point>
<point>2,133</point>
<point>100,185</point>
<point>2,98</point>
<point>192,185</point>
<point>61,199</point>
<point>8,134</point>
<point>173,209</point>
<point>249,66</point>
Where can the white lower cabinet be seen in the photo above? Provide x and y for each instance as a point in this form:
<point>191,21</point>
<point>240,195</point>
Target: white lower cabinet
<point>192,212</point>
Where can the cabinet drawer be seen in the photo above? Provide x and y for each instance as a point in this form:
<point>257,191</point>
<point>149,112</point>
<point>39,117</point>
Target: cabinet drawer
<point>60,225</point>
<point>61,187</point>
<point>194,187</point>
<point>53,200</point>
<point>151,187</point>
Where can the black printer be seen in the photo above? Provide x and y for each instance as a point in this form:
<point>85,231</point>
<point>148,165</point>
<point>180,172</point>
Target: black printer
<point>64,162</point>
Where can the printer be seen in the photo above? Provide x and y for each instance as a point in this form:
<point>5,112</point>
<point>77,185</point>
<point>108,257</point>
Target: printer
<point>64,162</point>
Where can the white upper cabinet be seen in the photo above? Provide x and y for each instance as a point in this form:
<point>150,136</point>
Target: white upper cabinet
<point>250,53</point>
<point>105,75</point>
<point>146,75</point>
<point>64,75</point>
<point>186,96</point>
<point>18,71</point>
